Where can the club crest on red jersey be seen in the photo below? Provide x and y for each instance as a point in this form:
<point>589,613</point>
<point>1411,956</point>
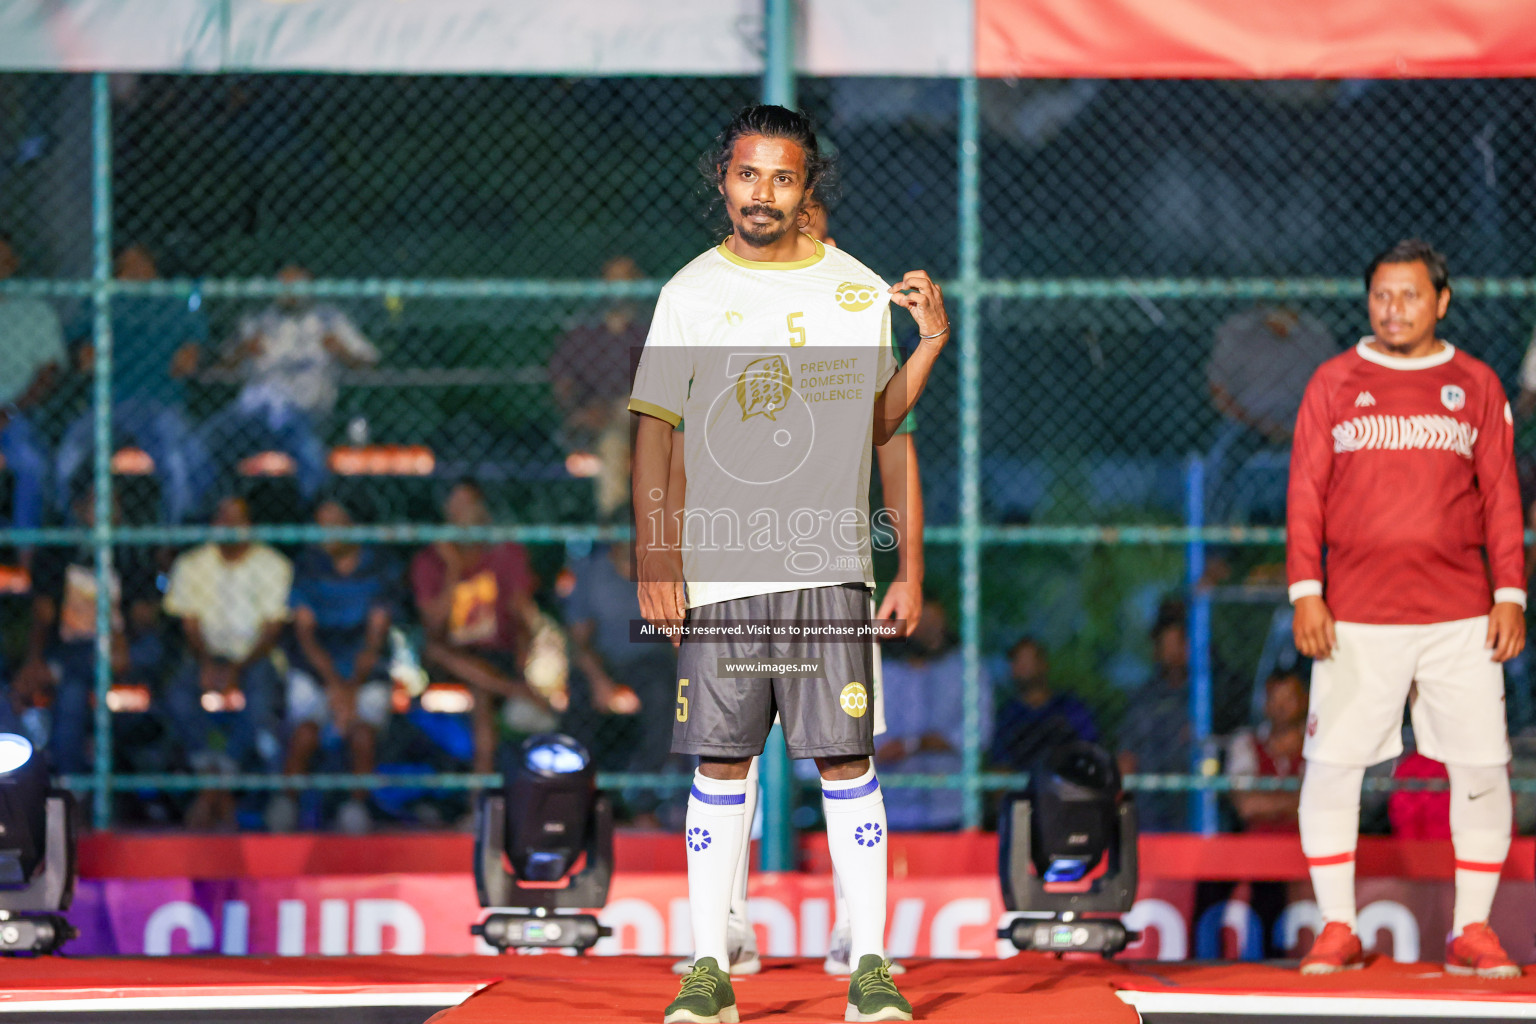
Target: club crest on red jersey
<point>1453,397</point>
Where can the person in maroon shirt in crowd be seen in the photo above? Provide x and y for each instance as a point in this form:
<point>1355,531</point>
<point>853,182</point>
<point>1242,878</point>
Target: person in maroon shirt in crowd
<point>1403,471</point>
<point>476,603</point>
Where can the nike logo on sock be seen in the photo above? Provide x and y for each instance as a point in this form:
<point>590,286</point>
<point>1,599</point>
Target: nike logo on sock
<point>1476,796</point>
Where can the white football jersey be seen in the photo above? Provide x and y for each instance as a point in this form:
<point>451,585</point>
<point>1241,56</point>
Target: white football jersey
<point>775,367</point>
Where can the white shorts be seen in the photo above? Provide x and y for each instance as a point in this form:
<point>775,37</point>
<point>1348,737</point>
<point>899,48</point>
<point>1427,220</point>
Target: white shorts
<point>1356,712</point>
<point>308,704</point>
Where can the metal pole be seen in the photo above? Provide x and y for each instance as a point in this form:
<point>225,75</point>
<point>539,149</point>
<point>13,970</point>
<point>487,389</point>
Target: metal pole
<point>101,298</point>
<point>970,442</point>
<point>777,851</point>
<point>1202,803</point>
<point>779,52</point>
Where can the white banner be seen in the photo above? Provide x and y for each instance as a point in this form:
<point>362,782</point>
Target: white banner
<point>533,37</point>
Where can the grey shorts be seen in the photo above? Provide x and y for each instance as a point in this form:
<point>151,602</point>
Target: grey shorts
<point>728,715</point>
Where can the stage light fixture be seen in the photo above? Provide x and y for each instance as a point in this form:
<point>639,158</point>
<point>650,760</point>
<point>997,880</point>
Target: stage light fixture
<point>1067,854</point>
<point>37,853</point>
<point>544,849</point>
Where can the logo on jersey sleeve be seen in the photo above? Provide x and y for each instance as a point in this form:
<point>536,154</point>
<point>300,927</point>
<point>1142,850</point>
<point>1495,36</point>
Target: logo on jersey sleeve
<point>1453,397</point>
<point>854,700</point>
<point>856,297</point>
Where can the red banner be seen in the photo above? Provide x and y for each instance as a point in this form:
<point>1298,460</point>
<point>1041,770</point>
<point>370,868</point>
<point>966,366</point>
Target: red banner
<point>1255,39</point>
<point>955,916</point>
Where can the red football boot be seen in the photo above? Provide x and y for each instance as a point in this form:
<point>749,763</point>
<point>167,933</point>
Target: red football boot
<point>1336,949</point>
<point>1477,951</point>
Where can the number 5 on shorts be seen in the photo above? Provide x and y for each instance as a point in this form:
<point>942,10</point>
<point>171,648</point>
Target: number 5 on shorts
<point>682,702</point>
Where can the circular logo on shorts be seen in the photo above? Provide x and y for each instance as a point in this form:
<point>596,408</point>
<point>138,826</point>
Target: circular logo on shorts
<point>698,839</point>
<point>855,297</point>
<point>854,700</point>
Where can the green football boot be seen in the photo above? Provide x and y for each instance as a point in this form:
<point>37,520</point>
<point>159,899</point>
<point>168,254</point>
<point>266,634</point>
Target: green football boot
<point>872,994</point>
<point>706,997</point>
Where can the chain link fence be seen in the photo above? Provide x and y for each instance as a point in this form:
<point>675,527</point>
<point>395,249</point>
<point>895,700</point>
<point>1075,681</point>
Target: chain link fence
<point>392,315</point>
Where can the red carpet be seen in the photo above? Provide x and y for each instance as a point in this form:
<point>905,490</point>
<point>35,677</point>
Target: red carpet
<point>615,989</point>
<point>586,990</point>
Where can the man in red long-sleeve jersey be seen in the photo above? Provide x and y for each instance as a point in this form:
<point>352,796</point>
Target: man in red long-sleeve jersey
<point>1403,472</point>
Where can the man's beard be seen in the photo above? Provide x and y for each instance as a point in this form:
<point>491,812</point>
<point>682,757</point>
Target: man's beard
<point>768,233</point>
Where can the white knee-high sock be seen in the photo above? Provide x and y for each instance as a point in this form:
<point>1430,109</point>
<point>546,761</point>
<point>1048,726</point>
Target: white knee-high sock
<point>856,837</point>
<point>713,833</point>
<point>839,900</point>
<point>839,903</point>
<point>744,865</point>
<point>1329,816</point>
<point>1482,813</point>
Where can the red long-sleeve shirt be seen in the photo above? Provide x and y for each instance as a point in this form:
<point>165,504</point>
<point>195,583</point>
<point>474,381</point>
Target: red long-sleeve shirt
<point>1404,471</point>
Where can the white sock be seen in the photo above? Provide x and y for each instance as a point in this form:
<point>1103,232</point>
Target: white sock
<point>839,900</point>
<point>744,865</point>
<point>1330,829</point>
<point>1482,813</point>
<point>856,838</point>
<point>839,903</point>
<point>713,833</point>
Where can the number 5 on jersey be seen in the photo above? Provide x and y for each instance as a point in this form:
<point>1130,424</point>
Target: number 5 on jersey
<point>796,332</point>
<point>682,702</point>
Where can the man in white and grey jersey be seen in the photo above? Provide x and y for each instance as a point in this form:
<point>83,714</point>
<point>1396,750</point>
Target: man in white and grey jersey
<point>776,350</point>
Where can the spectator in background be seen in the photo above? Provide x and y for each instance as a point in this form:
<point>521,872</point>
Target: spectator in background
<point>1525,402</point>
<point>591,373</point>
<point>32,358</point>
<point>290,355</point>
<point>1156,737</point>
<point>1272,751</point>
<point>342,603</point>
<point>1035,719</point>
<point>476,604</point>
<point>58,673</point>
<point>1260,365</point>
<point>157,344</point>
<point>232,600</point>
<point>614,675</point>
<point>925,720</point>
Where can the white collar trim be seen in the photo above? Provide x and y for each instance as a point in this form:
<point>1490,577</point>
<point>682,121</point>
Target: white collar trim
<point>1370,355</point>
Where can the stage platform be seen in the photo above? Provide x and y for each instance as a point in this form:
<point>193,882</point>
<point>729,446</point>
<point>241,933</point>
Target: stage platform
<point>587,990</point>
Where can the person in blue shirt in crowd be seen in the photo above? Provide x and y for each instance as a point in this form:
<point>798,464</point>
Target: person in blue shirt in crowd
<point>344,598</point>
<point>157,345</point>
<point>1156,737</point>
<point>615,677</point>
<point>57,675</point>
<point>925,720</point>
<point>1036,719</point>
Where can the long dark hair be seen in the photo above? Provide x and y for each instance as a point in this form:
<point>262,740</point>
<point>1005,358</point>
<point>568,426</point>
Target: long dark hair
<point>771,122</point>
